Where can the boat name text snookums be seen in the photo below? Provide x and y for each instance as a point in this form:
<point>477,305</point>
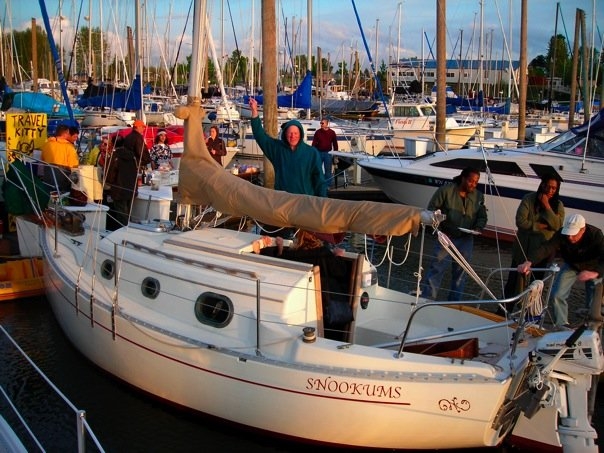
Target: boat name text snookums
<point>353,388</point>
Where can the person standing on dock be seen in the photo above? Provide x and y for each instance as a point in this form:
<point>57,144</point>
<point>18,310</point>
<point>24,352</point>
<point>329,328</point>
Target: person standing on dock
<point>538,217</point>
<point>466,215</point>
<point>326,140</point>
<point>581,247</point>
<point>297,165</point>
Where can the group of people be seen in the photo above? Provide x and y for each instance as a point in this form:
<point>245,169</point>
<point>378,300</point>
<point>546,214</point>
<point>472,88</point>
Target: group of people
<point>544,233</point>
<point>543,230</point>
<point>122,158</point>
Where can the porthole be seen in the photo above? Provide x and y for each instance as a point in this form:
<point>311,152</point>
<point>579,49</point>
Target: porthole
<point>108,269</point>
<point>214,309</point>
<point>150,287</point>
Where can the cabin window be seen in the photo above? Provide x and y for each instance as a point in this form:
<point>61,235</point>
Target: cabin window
<point>150,287</point>
<point>428,111</point>
<point>108,269</point>
<point>497,167</point>
<point>214,309</point>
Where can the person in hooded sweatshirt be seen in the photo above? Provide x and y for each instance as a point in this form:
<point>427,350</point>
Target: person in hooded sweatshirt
<point>298,167</point>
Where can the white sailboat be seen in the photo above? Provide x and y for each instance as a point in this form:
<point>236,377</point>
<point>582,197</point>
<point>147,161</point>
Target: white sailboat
<point>195,317</point>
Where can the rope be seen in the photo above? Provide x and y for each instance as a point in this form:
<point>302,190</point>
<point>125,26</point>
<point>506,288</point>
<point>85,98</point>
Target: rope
<point>450,248</point>
<point>534,305</point>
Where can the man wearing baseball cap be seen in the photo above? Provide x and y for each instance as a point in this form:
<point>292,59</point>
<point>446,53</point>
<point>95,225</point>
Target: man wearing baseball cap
<point>581,247</point>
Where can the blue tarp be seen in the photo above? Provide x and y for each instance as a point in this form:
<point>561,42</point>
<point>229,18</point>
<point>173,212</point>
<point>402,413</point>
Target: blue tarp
<point>299,99</point>
<point>106,96</point>
<point>30,101</point>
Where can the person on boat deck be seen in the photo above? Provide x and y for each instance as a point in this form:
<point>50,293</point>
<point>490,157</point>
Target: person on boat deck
<point>581,248</point>
<point>160,152</point>
<point>122,176</point>
<point>326,140</point>
<point>216,145</point>
<point>539,215</point>
<point>334,271</point>
<point>297,165</point>
<point>74,134</point>
<point>135,142</point>
<point>464,208</point>
<point>98,155</point>
<point>59,152</point>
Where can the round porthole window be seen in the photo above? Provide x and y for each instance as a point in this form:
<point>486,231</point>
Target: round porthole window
<point>150,287</point>
<point>214,309</point>
<point>108,269</point>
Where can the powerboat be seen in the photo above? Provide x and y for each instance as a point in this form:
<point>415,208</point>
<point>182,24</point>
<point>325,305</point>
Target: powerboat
<point>576,155</point>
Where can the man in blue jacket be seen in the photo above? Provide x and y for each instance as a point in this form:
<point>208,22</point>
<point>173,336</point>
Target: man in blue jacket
<point>297,165</point>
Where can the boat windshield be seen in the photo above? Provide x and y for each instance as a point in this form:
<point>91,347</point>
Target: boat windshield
<point>428,110</point>
<point>572,144</point>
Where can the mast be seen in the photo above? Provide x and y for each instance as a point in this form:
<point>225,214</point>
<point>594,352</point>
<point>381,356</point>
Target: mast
<point>398,37</point>
<point>34,54</point>
<point>309,42</point>
<point>251,68</point>
<point>481,55</point>
<point>441,72</point>
<point>523,77</point>
<point>269,77</point>
<point>586,71</point>
<point>138,68</point>
<point>57,59</point>
<point>553,63</point>
<point>89,66</point>
<point>199,11</point>
<point>102,45</point>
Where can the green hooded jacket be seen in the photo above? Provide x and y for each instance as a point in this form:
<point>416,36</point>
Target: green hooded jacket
<point>297,171</point>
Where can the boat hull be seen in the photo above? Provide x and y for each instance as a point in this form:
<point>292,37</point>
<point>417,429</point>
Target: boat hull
<point>317,393</point>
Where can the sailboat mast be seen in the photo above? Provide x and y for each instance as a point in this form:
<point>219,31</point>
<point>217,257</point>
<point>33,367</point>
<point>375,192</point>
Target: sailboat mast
<point>553,62</point>
<point>523,76</point>
<point>102,45</point>
<point>89,72</point>
<point>199,11</point>
<point>441,72</point>
<point>138,55</point>
<point>481,55</point>
<point>309,42</point>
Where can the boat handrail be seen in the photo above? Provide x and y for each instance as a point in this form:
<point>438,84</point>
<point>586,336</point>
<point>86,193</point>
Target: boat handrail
<point>83,428</point>
<point>521,322</point>
<point>216,267</point>
<point>426,338</point>
<point>305,267</point>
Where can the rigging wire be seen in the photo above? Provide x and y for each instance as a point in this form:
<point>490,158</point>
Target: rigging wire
<point>180,45</point>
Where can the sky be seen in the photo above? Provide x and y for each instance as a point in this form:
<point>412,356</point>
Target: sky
<point>405,28</point>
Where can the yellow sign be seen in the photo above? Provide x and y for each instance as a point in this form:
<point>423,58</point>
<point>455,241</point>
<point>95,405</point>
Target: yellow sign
<point>24,133</point>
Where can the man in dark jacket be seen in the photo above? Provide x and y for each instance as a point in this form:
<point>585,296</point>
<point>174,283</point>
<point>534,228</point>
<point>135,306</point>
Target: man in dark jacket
<point>123,175</point>
<point>466,215</point>
<point>581,247</point>
<point>297,165</point>
<point>135,142</point>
